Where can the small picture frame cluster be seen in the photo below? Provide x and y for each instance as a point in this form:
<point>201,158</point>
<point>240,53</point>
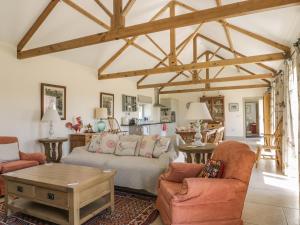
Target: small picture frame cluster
<point>53,95</point>
<point>233,107</point>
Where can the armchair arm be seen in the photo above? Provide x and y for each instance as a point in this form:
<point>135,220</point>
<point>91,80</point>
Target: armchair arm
<point>210,190</point>
<point>177,172</point>
<point>39,157</point>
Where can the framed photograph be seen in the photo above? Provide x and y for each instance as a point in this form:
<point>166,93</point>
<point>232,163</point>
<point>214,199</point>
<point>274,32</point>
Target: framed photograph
<point>53,94</point>
<point>233,107</point>
<point>107,101</point>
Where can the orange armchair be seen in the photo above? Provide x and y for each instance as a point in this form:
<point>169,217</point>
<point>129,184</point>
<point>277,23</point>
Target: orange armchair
<point>26,160</point>
<point>184,199</point>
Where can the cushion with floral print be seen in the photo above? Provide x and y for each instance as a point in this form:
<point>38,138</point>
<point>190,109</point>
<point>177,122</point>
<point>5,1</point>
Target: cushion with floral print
<point>133,138</point>
<point>95,144</point>
<point>108,143</point>
<point>212,169</point>
<point>161,146</point>
<point>147,146</point>
<point>126,148</point>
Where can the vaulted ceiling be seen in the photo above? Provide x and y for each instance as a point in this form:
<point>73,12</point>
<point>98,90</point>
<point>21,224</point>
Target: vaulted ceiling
<point>216,40</point>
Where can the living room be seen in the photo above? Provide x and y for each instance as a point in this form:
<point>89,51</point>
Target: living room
<point>113,100</point>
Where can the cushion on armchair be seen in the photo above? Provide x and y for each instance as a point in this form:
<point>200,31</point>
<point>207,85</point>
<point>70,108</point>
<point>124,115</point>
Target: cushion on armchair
<point>212,169</point>
<point>9,152</point>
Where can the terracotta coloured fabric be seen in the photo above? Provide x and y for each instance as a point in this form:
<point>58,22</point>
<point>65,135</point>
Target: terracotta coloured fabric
<point>207,201</point>
<point>39,157</point>
<point>17,165</point>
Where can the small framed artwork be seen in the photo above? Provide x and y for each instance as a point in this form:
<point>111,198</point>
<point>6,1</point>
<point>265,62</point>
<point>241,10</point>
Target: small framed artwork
<point>233,107</point>
<point>107,101</point>
<point>53,94</point>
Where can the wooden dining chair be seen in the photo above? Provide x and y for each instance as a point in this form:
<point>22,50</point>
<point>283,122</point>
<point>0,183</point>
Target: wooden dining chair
<point>272,147</point>
<point>219,136</point>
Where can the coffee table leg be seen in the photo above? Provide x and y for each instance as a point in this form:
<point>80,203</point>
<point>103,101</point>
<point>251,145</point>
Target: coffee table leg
<point>74,214</point>
<point>6,199</point>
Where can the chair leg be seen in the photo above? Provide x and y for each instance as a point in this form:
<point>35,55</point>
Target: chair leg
<point>258,155</point>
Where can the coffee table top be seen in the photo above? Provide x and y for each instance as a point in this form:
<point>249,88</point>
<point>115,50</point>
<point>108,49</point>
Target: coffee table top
<point>60,176</point>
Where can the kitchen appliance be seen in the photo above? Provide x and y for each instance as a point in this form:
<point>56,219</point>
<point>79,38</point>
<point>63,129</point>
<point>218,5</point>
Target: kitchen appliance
<point>156,98</point>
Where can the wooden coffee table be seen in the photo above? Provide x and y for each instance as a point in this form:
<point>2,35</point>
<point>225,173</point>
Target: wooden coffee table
<point>60,193</point>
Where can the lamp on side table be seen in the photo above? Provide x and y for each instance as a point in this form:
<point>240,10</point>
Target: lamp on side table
<point>198,111</point>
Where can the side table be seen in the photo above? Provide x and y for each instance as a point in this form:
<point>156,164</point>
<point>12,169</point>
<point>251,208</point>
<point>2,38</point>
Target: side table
<point>199,151</point>
<point>52,145</point>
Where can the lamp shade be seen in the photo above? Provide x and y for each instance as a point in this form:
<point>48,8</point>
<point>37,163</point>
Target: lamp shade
<point>198,111</point>
<point>51,115</point>
<point>100,113</point>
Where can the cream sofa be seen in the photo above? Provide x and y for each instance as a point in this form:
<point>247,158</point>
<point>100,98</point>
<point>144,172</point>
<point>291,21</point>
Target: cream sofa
<point>132,171</point>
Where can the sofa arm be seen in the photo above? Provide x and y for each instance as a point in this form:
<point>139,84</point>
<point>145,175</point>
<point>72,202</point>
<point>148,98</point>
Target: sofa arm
<point>209,190</point>
<point>177,172</point>
<point>80,148</point>
<point>39,157</point>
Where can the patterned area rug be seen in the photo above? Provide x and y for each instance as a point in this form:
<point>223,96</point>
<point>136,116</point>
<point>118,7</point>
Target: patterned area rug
<point>130,209</point>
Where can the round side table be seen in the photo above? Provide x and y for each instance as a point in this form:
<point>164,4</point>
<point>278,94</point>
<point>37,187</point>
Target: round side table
<point>199,151</point>
<point>53,148</point>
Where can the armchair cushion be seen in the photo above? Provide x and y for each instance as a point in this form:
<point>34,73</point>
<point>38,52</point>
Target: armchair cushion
<point>212,169</point>
<point>9,152</point>
<point>209,190</point>
<point>17,165</point>
<point>179,171</point>
<point>39,157</point>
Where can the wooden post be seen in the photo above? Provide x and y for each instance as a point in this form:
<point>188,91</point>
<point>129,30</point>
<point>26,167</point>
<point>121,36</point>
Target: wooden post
<point>118,20</point>
<point>207,85</point>
<point>172,56</point>
<point>195,56</point>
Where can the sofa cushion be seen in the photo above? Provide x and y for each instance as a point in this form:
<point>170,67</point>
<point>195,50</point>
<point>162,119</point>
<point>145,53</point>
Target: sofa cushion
<point>126,148</point>
<point>169,189</point>
<point>85,158</point>
<point>137,138</point>
<point>17,165</point>
<point>147,146</point>
<point>109,143</point>
<point>161,146</point>
<point>9,152</point>
<point>95,143</point>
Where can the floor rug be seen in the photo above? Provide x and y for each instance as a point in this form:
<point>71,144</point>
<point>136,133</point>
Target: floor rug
<point>130,209</point>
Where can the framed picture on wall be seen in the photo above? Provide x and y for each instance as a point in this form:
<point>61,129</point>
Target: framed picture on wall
<point>233,107</point>
<point>53,94</point>
<point>107,101</point>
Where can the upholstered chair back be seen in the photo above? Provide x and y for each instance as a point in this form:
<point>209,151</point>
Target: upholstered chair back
<point>238,159</point>
<point>8,140</point>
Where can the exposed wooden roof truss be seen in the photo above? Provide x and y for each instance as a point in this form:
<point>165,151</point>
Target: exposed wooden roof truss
<point>170,62</point>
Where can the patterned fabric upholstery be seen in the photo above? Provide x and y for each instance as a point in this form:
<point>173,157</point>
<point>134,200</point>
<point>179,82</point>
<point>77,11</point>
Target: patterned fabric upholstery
<point>212,169</point>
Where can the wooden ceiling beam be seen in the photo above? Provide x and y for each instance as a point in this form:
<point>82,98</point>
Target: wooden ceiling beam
<point>238,53</point>
<point>210,64</point>
<point>257,37</point>
<point>82,11</point>
<point>172,55</point>
<point>39,21</point>
<point>216,89</point>
<point>207,81</point>
<point>118,20</point>
<point>103,7</point>
<point>128,7</point>
<point>128,43</point>
<point>201,16</point>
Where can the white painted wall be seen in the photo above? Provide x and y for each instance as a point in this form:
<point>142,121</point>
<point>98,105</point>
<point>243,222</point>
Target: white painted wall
<point>20,94</point>
<point>233,120</point>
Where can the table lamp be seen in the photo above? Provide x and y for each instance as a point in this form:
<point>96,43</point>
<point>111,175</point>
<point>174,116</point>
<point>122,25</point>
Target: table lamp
<point>198,111</point>
<point>101,113</point>
<point>51,116</point>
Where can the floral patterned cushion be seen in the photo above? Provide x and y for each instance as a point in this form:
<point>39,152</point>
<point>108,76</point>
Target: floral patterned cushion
<point>161,146</point>
<point>95,143</point>
<point>103,143</point>
<point>212,169</point>
<point>109,143</point>
<point>132,138</point>
<point>126,148</point>
<point>147,146</point>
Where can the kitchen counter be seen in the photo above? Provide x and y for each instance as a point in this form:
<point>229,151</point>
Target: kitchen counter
<point>147,123</point>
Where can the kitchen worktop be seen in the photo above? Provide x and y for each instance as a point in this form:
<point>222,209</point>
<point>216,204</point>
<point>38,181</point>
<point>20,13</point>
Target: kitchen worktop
<point>146,123</point>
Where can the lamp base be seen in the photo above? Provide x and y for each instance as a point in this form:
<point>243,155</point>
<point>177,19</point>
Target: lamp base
<point>100,126</point>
